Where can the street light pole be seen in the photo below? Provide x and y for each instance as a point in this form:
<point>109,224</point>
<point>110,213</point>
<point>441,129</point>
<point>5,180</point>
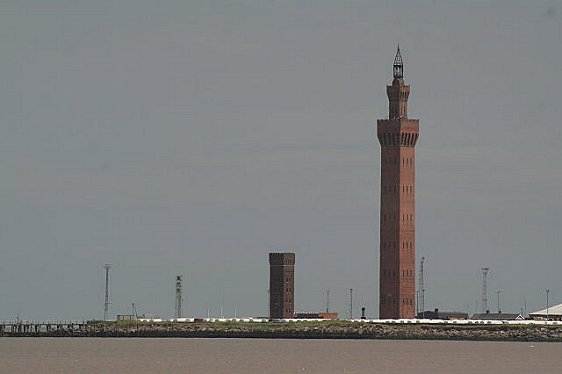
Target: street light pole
<point>547,292</point>
<point>417,304</point>
<point>351,303</point>
<point>499,310</point>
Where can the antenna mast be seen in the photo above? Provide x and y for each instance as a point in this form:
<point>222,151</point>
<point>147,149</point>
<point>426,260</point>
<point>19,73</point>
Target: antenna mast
<point>179,298</point>
<point>134,311</point>
<point>421,292</point>
<point>484,290</point>
<point>106,303</point>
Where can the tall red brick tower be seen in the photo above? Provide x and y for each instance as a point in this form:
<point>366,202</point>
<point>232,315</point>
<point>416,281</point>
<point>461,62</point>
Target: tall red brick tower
<point>397,135</point>
<point>281,285</point>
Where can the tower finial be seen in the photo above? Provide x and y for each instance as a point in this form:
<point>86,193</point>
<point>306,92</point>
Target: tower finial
<point>398,66</point>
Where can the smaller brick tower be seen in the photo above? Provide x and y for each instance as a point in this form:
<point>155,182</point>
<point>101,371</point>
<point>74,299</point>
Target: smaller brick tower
<point>281,285</point>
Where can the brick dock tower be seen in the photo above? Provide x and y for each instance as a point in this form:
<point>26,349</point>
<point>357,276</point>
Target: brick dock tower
<point>397,135</point>
<point>281,285</point>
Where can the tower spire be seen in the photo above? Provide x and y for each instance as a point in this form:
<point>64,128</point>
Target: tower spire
<point>398,92</point>
<point>398,66</point>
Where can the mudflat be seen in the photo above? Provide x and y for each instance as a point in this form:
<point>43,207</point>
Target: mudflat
<point>177,355</point>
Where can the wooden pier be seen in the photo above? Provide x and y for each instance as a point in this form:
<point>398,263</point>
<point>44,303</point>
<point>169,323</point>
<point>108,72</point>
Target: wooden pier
<point>39,328</point>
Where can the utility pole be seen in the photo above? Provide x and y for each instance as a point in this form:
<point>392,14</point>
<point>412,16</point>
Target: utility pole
<point>351,303</point>
<point>106,303</point>
<point>327,301</point>
<point>179,298</point>
<point>484,290</point>
<point>499,309</point>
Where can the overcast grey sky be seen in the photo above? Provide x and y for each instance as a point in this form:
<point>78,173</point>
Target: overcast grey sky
<point>193,137</point>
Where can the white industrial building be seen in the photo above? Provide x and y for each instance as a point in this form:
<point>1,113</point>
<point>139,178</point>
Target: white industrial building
<point>553,313</point>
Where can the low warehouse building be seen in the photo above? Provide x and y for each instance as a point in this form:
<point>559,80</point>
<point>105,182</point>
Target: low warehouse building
<point>553,313</point>
<point>498,316</point>
<point>332,316</point>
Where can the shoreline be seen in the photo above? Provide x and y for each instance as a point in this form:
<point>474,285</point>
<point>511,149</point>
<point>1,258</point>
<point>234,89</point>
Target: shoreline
<point>303,330</point>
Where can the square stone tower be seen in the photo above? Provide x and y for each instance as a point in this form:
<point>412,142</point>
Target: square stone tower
<point>397,136</point>
<point>281,285</point>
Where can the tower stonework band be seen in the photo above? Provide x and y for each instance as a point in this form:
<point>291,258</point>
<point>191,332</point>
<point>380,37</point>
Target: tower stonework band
<point>281,285</point>
<point>397,136</point>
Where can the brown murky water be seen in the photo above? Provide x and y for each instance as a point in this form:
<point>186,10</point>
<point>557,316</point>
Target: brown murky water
<point>128,355</point>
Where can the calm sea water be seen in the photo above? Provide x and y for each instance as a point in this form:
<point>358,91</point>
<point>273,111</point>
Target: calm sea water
<point>107,355</point>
